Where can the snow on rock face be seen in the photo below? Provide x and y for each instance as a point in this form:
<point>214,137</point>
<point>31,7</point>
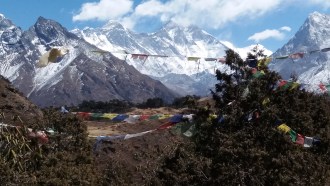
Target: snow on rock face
<point>172,40</point>
<point>78,75</point>
<point>313,68</point>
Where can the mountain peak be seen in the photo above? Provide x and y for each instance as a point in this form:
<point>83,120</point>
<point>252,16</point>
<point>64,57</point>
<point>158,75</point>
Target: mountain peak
<point>113,24</point>
<point>315,14</point>
<point>41,22</point>
<point>170,25</point>
<point>317,17</point>
<point>51,31</point>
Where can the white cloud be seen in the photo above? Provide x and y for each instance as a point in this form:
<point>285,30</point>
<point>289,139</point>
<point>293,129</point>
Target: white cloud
<point>270,33</point>
<point>285,28</point>
<point>103,10</point>
<point>324,3</point>
<point>204,13</point>
<point>266,34</point>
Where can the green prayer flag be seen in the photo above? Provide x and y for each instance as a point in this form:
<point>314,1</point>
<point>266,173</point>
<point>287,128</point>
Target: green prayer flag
<point>258,74</point>
<point>282,57</point>
<point>328,88</point>
<point>96,115</point>
<point>154,117</point>
<point>193,58</point>
<point>293,135</point>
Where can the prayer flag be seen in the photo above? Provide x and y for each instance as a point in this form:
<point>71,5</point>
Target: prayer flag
<point>308,142</point>
<point>193,58</point>
<point>190,132</point>
<point>120,117</point>
<point>52,56</point>
<point>109,115</point>
<point>221,119</point>
<point>281,83</point>
<point>132,118</point>
<point>135,56</point>
<point>189,117</point>
<point>252,63</point>
<point>254,70</point>
<point>165,116</point>
<point>265,101</point>
<point>84,115</point>
<point>143,57</point>
<point>144,117</point>
<point>300,139</point>
<point>63,110</point>
<point>325,50</point>
<point>284,128</point>
<point>156,55</point>
<point>210,59</point>
<point>328,88</point>
<point>96,115</point>
<point>322,87</point>
<point>294,85</point>
<point>293,135</point>
<point>264,61</point>
<point>258,74</point>
<point>297,55</point>
<point>165,126</point>
<point>176,118</point>
<point>246,92</point>
<point>128,136</point>
<point>313,51</point>
<point>282,57</point>
<point>154,117</point>
<point>222,60</point>
<point>316,141</point>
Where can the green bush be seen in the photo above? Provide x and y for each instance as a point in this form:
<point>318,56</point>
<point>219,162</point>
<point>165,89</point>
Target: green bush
<point>251,151</point>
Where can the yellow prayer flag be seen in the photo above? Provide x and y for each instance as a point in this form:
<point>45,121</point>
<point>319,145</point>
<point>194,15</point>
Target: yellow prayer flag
<point>265,101</point>
<point>193,58</point>
<point>264,61</point>
<point>211,117</point>
<point>294,85</point>
<point>284,128</point>
<point>165,116</point>
<point>109,115</point>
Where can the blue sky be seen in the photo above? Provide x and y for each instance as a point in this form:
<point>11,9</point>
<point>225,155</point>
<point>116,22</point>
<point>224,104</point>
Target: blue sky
<point>242,22</point>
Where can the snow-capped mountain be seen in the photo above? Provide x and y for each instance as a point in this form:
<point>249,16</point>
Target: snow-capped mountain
<point>79,75</point>
<point>314,67</point>
<point>245,50</point>
<point>174,41</point>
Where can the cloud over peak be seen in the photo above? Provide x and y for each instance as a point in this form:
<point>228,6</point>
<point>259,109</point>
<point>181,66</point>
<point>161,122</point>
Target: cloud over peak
<point>205,13</point>
<point>104,10</point>
<point>278,34</point>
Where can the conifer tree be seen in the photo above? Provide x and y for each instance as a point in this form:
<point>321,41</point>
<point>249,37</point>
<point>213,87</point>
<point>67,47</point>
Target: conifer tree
<point>243,145</point>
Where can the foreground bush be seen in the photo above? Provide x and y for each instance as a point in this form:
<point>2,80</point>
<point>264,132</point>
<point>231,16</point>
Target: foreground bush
<point>243,146</point>
<point>65,160</point>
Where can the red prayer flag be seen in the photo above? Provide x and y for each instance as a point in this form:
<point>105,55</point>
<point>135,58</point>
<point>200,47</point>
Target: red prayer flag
<point>300,139</point>
<point>144,117</point>
<point>297,55</point>
<point>135,56</point>
<point>143,56</point>
<point>165,126</point>
<point>322,87</point>
<point>222,60</point>
<point>282,83</point>
<point>84,115</point>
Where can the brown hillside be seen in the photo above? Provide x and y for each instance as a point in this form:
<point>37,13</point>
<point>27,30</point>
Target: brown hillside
<point>15,108</point>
